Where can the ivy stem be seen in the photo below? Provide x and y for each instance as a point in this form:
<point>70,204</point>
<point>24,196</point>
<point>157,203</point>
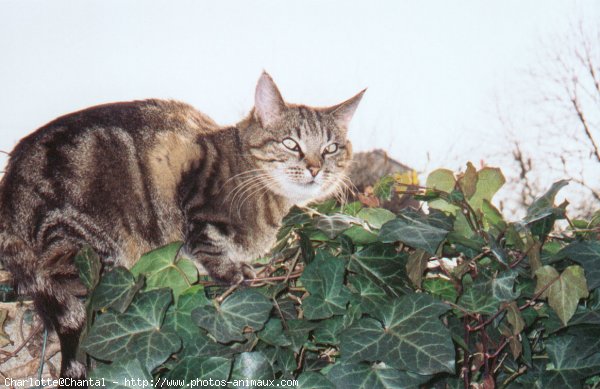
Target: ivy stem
<point>538,294</point>
<point>486,322</point>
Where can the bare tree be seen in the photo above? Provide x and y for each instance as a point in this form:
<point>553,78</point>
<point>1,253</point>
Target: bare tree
<point>554,130</point>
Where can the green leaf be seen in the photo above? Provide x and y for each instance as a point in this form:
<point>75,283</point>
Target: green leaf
<point>564,291</point>
<point>492,217</point>
<point>573,356</point>
<point>489,181</point>
<point>384,187</point>
<point>250,366</point>
<point>244,308</point>
<point>442,180</point>
<point>116,290</point>
<point>371,294</point>
<point>376,217</point>
<point>312,380</point>
<point>360,236</point>
<point>333,225</point>
<point>88,264</point>
<point>136,333</point>
<point>324,280</point>
<point>273,334</point>
<point>543,206</point>
<point>203,368</point>
<point>411,337</point>
<point>586,316</point>
<point>413,232</point>
<point>298,331</point>
<point>179,317</point>
<point>202,345</point>
<point>485,295</point>
<point>162,268</point>
<point>381,264</point>
<point>328,330</point>
<point>122,374</point>
<point>587,254</point>
<point>373,376</point>
<point>441,287</point>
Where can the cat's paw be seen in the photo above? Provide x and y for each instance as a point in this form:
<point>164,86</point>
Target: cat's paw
<point>231,273</point>
<point>248,272</point>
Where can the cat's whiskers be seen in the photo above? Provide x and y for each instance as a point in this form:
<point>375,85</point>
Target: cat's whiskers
<point>241,175</point>
<point>263,184</point>
<point>248,185</point>
<point>245,182</point>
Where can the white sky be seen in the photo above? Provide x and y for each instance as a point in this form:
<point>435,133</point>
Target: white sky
<point>432,67</point>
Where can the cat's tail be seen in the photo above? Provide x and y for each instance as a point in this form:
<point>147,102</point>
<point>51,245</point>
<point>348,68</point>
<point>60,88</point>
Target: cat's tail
<point>19,259</point>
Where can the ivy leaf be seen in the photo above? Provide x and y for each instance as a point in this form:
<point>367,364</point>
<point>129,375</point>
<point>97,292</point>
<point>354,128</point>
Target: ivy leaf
<point>203,368</point>
<point>122,374</point>
<point>371,294</point>
<point>333,225</point>
<point>374,376</point>
<point>543,206</point>
<point>542,214</point>
<point>244,308</point>
<point>116,290</point>
<point>360,236</point>
<point>489,181</point>
<point>88,264</point>
<point>492,217</point>
<point>564,291</point>
<point>298,331</point>
<point>202,345</point>
<point>442,180</point>
<point>382,265</point>
<point>376,217</point>
<point>328,330</point>
<point>273,334</point>
<point>251,367</point>
<point>587,254</point>
<point>586,316</point>
<point>136,333</point>
<point>485,295</point>
<point>441,287</point>
<point>179,317</point>
<point>411,337</point>
<point>324,280</point>
<point>573,356</point>
<point>162,268</point>
<point>412,232</point>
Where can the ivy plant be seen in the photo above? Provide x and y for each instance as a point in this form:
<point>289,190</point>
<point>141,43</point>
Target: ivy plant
<point>352,296</point>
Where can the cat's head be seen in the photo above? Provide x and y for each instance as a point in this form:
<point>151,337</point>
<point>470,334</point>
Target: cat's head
<point>302,152</point>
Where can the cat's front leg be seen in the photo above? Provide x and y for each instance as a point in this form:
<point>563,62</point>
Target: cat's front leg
<point>211,245</point>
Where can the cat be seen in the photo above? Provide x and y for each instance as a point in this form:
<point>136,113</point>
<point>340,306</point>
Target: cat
<point>128,177</point>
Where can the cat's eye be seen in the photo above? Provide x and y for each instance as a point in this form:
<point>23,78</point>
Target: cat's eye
<point>291,144</point>
<point>332,148</point>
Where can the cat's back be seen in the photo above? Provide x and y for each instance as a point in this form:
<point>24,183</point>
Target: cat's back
<point>141,120</point>
<point>100,161</point>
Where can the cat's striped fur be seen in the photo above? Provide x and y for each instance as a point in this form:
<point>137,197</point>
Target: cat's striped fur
<point>126,178</point>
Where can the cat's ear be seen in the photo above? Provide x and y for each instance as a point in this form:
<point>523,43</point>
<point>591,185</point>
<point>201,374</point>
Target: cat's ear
<point>268,103</point>
<point>343,112</point>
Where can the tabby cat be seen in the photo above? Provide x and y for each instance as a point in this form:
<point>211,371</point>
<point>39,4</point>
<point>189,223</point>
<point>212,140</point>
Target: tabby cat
<point>126,178</point>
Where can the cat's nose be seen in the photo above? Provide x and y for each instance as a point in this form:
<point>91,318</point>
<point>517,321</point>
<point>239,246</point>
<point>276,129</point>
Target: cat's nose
<point>314,170</point>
